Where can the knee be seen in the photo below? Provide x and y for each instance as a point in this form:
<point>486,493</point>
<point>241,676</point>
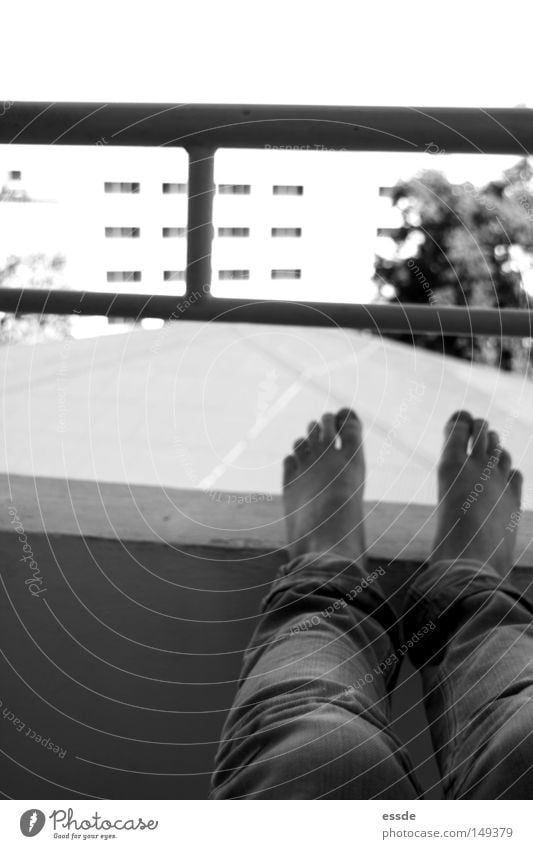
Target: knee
<point>505,771</point>
<point>337,756</point>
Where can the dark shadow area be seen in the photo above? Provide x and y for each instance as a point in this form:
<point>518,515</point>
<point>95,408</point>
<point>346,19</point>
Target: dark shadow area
<point>117,678</point>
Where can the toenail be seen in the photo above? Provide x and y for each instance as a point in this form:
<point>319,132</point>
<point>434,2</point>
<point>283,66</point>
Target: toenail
<point>299,444</point>
<point>347,413</point>
<point>461,416</point>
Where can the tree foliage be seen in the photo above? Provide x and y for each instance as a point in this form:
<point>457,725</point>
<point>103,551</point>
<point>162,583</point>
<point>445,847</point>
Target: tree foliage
<point>33,271</point>
<point>37,271</point>
<point>467,246</point>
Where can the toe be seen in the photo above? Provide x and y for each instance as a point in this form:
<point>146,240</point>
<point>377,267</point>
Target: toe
<point>346,417</point>
<point>349,428</point>
<point>480,432</point>
<point>290,468</point>
<point>493,443</point>
<point>457,431</point>
<point>313,434</point>
<point>505,461</point>
<point>301,450</point>
<point>329,429</point>
<point>516,480</point>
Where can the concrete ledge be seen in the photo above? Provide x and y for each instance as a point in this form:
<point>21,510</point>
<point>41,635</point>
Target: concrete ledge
<point>185,518</point>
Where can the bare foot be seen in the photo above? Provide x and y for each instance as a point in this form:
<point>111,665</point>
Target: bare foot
<point>478,492</point>
<point>323,488</point>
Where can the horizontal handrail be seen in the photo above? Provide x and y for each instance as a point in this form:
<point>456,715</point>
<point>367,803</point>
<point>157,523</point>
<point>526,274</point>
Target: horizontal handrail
<point>202,306</point>
<point>203,128</point>
<point>385,128</point>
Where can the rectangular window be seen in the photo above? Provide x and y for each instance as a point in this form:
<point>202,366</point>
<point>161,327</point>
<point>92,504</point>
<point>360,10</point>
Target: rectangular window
<point>14,175</point>
<point>173,275</point>
<point>122,188</point>
<point>287,232</point>
<point>174,232</point>
<point>288,190</point>
<point>234,231</point>
<point>391,232</point>
<point>174,188</point>
<point>234,274</point>
<point>285,274</point>
<point>386,191</point>
<point>123,276</point>
<point>122,232</point>
<point>234,189</point>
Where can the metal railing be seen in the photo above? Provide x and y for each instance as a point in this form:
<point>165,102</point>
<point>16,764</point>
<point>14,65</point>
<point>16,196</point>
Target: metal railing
<point>201,130</point>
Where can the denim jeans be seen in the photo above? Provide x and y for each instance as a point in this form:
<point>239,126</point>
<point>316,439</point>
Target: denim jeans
<point>311,716</point>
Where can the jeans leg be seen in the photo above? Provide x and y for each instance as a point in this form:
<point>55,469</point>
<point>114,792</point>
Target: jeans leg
<point>477,669</point>
<point>310,719</point>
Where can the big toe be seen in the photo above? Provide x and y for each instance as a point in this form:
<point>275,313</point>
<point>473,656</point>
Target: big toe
<point>457,432</point>
<point>290,469</point>
<point>349,428</point>
<point>516,480</point>
<point>480,439</point>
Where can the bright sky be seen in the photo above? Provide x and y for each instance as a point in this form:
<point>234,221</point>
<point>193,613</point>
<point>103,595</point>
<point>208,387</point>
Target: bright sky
<point>474,53</point>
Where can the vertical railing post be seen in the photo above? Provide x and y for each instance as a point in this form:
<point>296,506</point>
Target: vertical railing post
<point>200,230</point>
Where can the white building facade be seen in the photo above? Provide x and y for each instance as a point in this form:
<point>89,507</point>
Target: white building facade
<point>288,224</point>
